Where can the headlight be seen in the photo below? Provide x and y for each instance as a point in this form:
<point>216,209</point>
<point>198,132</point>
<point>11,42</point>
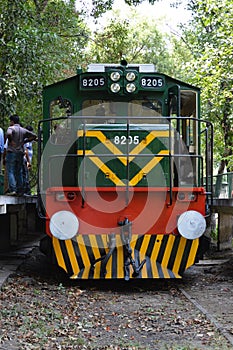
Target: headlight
<point>115,76</point>
<point>64,225</point>
<point>115,87</point>
<point>130,76</point>
<point>191,224</point>
<point>130,87</point>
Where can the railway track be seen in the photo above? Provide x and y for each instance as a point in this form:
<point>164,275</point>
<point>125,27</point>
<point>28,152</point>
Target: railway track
<point>212,293</point>
<point>193,313</point>
<point>225,330</point>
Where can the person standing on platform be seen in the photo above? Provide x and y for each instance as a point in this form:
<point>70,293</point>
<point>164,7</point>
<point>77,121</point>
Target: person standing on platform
<point>17,136</point>
<point>1,148</point>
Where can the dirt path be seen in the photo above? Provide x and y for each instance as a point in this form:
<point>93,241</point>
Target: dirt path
<point>38,310</point>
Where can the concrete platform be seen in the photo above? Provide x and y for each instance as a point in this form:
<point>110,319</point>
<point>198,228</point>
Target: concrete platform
<point>18,217</point>
<point>13,200</point>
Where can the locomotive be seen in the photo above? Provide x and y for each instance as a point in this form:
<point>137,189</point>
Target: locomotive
<point>125,173</point>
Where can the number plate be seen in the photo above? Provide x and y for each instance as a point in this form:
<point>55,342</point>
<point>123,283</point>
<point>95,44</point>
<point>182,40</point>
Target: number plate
<point>122,140</point>
<point>151,82</point>
<point>92,82</point>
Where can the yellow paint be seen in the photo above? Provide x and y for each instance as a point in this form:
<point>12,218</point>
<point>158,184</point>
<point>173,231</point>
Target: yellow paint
<point>120,256</point>
<point>58,252</point>
<point>104,168</point>
<point>193,252</point>
<point>147,168</point>
<point>72,256</point>
<point>115,150</point>
<point>168,251</point>
<point>156,247</point>
<point>120,262</point>
<point>109,268</point>
<point>179,255</point>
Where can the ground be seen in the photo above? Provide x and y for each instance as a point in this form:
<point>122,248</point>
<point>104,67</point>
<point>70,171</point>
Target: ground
<point>39,309</point>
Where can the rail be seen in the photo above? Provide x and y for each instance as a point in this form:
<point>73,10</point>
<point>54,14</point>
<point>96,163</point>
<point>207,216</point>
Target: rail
<point>174,155</point>
<point>223,186</point>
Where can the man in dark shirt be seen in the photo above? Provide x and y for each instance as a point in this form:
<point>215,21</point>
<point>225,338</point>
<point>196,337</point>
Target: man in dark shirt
<point>17,137</point>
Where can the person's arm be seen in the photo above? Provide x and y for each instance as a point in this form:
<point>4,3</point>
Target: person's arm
<point>30,136</point>
<point>27,158</point>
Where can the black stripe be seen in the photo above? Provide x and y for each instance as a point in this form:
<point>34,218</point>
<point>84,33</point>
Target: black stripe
<point>162,248</point>
<point>66,258</point>
<point>173,253</point>
<point>88,247</point>
<point>139,243</point>
<point>114,264</point>
<point>185,256</point>
<point>100,244</point>
<point>148,267</point>
<point>90,254</point>
<point>171,274</point>
<point>160,271</point>
<point>137,261</point>
<point>151,245</point>
<point>78,255</point>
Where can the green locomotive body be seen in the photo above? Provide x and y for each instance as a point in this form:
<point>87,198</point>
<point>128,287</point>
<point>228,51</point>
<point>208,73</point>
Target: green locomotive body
<point>123,157</point>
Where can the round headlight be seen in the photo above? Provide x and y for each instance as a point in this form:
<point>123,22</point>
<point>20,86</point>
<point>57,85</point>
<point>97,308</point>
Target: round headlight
<point>64,225</point>
<point>191,224</point>
<point>130,87</point>
<point>115,87</point>
<point>115,76</point>
<point>130,76</point>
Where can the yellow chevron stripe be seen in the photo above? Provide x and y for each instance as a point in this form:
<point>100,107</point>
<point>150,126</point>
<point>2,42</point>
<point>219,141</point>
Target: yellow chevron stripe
<point>156,248</point>
<point>154,269</point>
<point>165,272</point>
<point>115,150</point>
<point>147,168</point>
<point>145,243</point>
<point>109,268</point>
<point>143,144</point>
<point>94,246</point>
<point>104,168</point>
<point>72,256</point>
<point>114,178</point>
<point>59,255</point>
<point>179,254</point>
<point>168,251</point>
<point>193,252</point>
<point>120,263</point>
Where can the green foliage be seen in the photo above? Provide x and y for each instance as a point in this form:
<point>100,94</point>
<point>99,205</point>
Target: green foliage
<point>137,41</point>
<point>102,6</point>
<point>40,41</point>
<point>209,36</point>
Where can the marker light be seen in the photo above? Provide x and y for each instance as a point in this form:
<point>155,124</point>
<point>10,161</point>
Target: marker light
<point>115,76</point>
<point>115,87</point>
<point>191,224</point>
<point>130,87</point>
<point>130,76</point>
<point>64,225</point>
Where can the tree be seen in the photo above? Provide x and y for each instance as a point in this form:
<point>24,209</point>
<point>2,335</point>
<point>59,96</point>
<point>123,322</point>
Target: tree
<point>137,41</point>
<point>40,41</point>
<point>102,6</point>
<point>209,36</point>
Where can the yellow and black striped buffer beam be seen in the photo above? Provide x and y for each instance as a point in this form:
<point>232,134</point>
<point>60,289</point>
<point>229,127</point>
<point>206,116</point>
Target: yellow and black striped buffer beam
<point>165,256</point>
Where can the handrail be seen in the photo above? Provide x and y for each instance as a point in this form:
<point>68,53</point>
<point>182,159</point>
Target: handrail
<point>207,131</point>
<point>223,185</point>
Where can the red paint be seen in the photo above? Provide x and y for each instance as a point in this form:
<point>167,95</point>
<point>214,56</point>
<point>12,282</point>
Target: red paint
<point>147,209</point>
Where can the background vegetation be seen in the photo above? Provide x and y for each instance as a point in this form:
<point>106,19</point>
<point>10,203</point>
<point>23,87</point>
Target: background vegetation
<point>42,41</point>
